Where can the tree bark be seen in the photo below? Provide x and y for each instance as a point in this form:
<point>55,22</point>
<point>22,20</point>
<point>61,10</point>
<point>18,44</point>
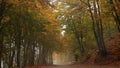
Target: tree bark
<point>18,43</point>
<point>1,49</point>
<point>2,9</point>
<point>115,13</point>
<point>97,27</point>
<point>78,37</point>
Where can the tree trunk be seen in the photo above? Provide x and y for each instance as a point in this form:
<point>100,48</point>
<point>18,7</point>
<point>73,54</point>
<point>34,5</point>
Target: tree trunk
<point>18,43</point>
<point>2,9</point>
<point>25,54</point>
<point>78,37</point>
<point>1,49</point>
<point>32,54</point>
<point>40,54</point>
<point>97,27</point>
<point>115,13</point>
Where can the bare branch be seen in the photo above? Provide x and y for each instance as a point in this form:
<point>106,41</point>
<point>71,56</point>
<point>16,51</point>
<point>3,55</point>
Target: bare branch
<point>83,2</point>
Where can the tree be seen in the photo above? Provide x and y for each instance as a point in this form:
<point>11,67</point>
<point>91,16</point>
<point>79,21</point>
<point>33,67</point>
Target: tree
<point>116,12</point>
<point>94,9</point>
<point>2,9</point>
<point>24,32</point>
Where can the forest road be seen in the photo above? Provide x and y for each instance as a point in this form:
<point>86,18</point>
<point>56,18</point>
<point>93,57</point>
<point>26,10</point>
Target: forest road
<point>81,67</point>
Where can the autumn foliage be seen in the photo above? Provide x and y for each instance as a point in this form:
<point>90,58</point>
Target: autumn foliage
<point>113,53</point>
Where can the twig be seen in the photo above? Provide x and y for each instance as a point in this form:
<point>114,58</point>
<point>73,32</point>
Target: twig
<point>84,2</point>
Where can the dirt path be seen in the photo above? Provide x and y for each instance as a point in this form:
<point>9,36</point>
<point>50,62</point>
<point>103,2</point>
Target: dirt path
<point>81,67</point>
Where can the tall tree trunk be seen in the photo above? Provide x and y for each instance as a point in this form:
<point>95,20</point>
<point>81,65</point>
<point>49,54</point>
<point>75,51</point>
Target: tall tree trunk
<point>2,9</point>
<point>97,27</point>
<point>32,53</point>
<point>50,59</point>
<point>1,49</point>
<point>25,55</point>
<point>26,48</point>
<point>40,54</point>
<point>116,14</point>
<point>18,43</point>
<point>104,52</point>
<point>44,53</point>
<point>78,37</point>
<point>29,53</point>
<point>11,55</point>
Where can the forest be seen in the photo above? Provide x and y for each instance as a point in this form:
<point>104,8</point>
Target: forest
<point>41,32</point>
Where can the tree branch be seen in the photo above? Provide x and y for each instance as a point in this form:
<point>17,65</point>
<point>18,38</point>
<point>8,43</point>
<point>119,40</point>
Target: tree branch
<point>83,2</point>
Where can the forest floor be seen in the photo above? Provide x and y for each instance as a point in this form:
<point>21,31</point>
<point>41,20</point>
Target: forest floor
<point>73,66</point>
<point>113,54</point>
